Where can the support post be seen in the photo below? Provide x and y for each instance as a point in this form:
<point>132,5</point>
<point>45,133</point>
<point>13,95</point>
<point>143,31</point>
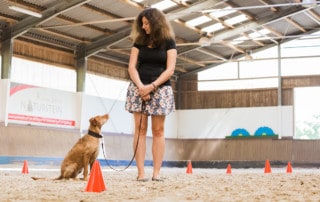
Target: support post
<point>6,51</point>
<point>81,67</point>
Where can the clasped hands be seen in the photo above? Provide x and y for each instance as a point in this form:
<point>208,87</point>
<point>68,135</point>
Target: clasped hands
<point>145,90</point>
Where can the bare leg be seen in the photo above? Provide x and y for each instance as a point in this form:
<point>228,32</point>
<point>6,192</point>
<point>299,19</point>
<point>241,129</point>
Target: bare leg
<point>141,125</point>
<point>158,143</point>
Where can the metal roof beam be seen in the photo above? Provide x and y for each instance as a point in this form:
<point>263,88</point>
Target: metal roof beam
<point>27,23</point>
<point>104,42</point>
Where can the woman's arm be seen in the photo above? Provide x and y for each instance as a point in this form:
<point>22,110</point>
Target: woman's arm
<point>132,69</point>
<point>144,90</point>
<point>171,65</point>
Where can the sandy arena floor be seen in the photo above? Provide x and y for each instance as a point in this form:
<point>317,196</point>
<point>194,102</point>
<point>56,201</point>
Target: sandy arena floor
<point>201,185</point>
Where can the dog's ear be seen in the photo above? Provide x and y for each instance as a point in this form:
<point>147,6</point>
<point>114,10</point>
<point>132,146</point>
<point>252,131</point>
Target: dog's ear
<point>93,122</point>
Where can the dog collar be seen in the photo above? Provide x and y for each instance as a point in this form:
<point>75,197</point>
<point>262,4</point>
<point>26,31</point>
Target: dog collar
<point>93,134</point>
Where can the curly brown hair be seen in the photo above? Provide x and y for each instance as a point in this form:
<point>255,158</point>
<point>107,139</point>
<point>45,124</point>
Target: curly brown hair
<point>161,29</point>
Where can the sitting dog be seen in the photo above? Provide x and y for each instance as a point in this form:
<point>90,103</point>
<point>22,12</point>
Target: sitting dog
<point>84,152</point>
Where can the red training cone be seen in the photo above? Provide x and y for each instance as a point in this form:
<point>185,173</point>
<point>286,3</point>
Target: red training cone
<point>25,169</point>
<point>289,168</point>
<point>189,168</point>
<point>229,169</point>
<point>96,182</point>
<point>267,168</point>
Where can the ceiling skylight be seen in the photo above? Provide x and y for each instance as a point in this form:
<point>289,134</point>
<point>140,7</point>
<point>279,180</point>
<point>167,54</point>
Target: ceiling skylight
<point>197,21</point>
<point>239,40</point>
<point>221,13</point>
<point>213,28</point>
<point>260,33</point>
<point>163,5</point>
<point>138,1</point>
<point>236,20</point>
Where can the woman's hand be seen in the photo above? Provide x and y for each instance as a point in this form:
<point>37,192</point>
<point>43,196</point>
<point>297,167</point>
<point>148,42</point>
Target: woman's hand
<point>144,91</point>
<point>146,97</point>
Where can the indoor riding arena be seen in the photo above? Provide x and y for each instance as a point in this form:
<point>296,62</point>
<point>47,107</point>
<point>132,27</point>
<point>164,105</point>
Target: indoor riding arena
<point>246,125</point>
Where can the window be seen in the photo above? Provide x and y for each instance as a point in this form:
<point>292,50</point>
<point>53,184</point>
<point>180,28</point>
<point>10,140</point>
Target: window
<point>307,113</point>
<point>298,57</point>
<point>305,46</point>
<point>44,75</point>
<point>267,53</point>
<point>49,76</point>
<point>258,68</point>
<point>224,71</point>
<point>238,84</point>
<point>300,66</point>
<point>102,86</point>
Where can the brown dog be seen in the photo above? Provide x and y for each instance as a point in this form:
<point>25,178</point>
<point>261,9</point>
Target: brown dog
<point>84,152</point>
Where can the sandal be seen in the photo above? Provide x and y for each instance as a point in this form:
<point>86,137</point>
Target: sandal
<point>142,179</point>
<point>157,179</point>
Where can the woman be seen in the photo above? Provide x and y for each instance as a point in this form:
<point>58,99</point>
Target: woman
<point>151,65</point>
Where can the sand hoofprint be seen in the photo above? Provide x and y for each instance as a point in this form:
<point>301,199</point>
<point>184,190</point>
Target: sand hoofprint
<point>200,185</point>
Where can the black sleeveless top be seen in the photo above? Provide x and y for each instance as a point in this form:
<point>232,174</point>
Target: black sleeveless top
<point>153,61</point>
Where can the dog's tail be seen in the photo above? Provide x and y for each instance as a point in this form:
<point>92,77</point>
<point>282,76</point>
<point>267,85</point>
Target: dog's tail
<point>59,178</point>
<point>38,178</point>
<point>43,178</point>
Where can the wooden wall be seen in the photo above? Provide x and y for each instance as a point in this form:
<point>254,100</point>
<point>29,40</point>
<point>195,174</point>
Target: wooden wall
<point>66,59</point>
<point>190,98</point>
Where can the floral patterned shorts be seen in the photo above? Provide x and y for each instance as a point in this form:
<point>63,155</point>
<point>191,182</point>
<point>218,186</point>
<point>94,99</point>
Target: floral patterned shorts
<point>161,102</point>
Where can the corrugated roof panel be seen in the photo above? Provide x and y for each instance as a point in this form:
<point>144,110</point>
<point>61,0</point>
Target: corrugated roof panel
<point>42,3</point>
<point>94,18</point>
<point>306,20</point>
<point>284,27</point>
<point>118,8</point>
<point>62,26</point>
<point>184,32</point>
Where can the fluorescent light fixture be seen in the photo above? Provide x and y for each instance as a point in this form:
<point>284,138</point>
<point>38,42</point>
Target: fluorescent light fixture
<point>25,11</point>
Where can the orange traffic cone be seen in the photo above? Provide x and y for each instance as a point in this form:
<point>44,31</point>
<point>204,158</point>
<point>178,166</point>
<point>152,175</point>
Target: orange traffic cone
<point>96,182</point>
<point>289,168</point>
<point>267,168</point>
<point>189,168</point>
<point>229,169</point>
<point>25,169</point>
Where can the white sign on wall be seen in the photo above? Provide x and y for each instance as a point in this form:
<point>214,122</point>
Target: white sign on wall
<point>219,123</point>
<point>4,86</point>
<point>42,106</point>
